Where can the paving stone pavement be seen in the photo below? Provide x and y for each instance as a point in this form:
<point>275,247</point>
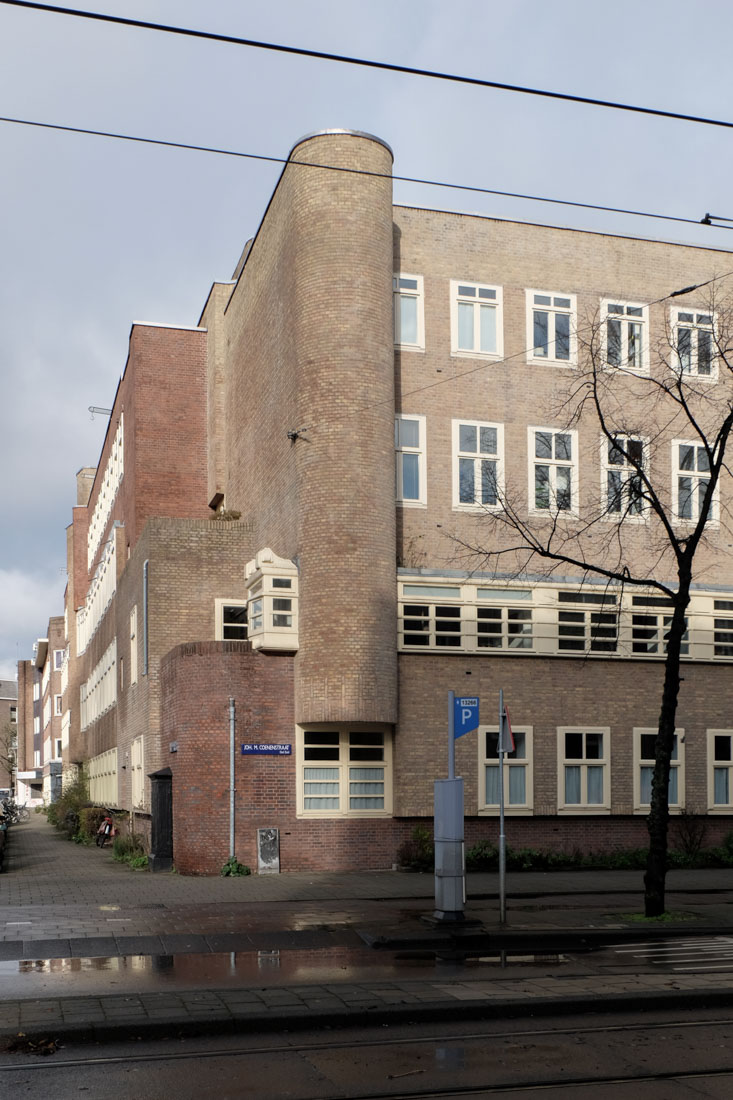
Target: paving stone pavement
<point>75,905</point>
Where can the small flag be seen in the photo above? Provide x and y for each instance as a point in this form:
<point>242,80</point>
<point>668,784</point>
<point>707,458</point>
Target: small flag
<point>506,737</point>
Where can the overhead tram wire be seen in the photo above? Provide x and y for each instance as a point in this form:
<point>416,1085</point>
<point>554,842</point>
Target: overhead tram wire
<point>474,189</point>
<point>344,59</point>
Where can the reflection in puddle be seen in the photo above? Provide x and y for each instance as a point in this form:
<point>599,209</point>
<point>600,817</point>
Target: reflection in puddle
<point>30,978</point>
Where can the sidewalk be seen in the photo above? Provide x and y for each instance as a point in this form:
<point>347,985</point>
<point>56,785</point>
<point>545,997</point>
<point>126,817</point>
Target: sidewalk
<point>59,901</point>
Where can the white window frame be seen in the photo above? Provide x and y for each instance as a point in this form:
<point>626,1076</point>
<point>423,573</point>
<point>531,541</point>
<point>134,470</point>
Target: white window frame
<point>439,617</point>
<point>553,310</point>
<point>137,773</point>
<point>479,296</point>
<point>133,646</point>
<point>587,621</point>
<point>58,659</point>
<point>342,768</point>
<point>700,321</point>
<point>584,763</point>
<point>220,627</point>
<point>653,616</point>
<point>58,705</point>
<point>478,457</point>
<point>627,473</point>
<point>713,806</point>
<point>400,292</point>
<point>554,464</point>
<point>677,764</point>
<point>723,629</point>
<point>629,315</point>
<point>697,476</point>
<point>421,452</point>
<point>486,761</point>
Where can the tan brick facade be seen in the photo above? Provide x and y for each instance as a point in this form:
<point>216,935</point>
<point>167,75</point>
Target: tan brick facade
<point>279,410</point>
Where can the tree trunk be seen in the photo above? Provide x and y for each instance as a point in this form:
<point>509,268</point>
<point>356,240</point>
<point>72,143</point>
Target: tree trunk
<point>658,820</point>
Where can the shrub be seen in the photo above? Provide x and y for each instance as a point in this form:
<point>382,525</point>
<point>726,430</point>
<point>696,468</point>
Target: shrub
<point>417,853</point>
<point>65,812</point>
<point>128,848</point>
<point>234,869</point>
<point>483,856</point>
<point>690,829</point>
<point>90,818</point>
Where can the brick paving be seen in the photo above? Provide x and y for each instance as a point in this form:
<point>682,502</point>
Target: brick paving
<point>62,901</point>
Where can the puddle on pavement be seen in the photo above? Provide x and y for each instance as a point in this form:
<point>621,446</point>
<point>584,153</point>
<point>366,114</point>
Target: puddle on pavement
<point>30,978</point>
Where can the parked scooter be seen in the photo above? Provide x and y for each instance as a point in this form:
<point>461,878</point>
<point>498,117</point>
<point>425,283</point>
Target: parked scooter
<point>106,831</point>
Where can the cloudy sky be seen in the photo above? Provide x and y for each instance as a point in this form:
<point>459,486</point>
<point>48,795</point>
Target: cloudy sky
<point>97,233</point>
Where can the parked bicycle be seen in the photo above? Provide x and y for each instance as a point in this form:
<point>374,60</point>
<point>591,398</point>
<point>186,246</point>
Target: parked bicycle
<point>13,813</point>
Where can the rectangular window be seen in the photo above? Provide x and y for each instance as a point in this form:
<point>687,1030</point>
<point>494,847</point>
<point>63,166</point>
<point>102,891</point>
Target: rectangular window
<point>476,320</point>
<point>720,766</point>
<point>232,620</point>
<point>644,758</point>
<point>650,624</point>
<point>622,461</point>
<point>438,617</point>
<point>409,325</point>
<point>586,629</point>
<point>477,464</point>
<point>693,343</point>
<point>518,793</point>
<point>344,773</point>
<point>551,325</point>
<point>133,645</point>
<point>57,705</point>
<point>626,335</point>
<point>57,748</point>
<point>432,624</point>
<point>410,460</point>
<point>691,477</point>
<point>583,766</point>
<point>58,658</point>
<point>553,470</point>
<point>723,629</point>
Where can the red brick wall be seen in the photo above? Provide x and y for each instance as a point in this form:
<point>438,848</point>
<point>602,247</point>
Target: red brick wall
<point>197,681</point>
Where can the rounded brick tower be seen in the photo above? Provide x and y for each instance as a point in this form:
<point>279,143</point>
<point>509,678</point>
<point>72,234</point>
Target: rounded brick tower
<point>343,318</point>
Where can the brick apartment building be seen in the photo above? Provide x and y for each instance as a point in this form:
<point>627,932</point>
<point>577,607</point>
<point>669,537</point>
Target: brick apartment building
<point>43,716</point>
<point>277,518</point>
<point>8,732</point>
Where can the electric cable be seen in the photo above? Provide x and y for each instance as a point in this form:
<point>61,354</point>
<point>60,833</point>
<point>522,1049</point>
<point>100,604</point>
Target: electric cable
<point>475,189</point>
<point>345,59</point>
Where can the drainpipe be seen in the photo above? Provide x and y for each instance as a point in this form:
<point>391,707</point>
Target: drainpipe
<point>232,727</point>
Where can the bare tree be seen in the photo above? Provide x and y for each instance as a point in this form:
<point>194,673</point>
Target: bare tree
<point>8,749</point>
<point>646,530</point>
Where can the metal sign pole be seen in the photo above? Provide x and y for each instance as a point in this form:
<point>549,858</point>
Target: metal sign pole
<point>502,836</point>
<point>451,735</point>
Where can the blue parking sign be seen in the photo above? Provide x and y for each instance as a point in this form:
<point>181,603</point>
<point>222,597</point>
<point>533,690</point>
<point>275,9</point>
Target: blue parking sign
<point>465,715</point>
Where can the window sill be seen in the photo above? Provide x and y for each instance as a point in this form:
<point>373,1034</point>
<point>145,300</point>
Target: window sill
<point>477,509</point>
<point>520,811</point>
<point>365,815</point>
<point>548,513</point>
<point>564,363</point>
<point>484,356</point>
<point>575,811</point>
